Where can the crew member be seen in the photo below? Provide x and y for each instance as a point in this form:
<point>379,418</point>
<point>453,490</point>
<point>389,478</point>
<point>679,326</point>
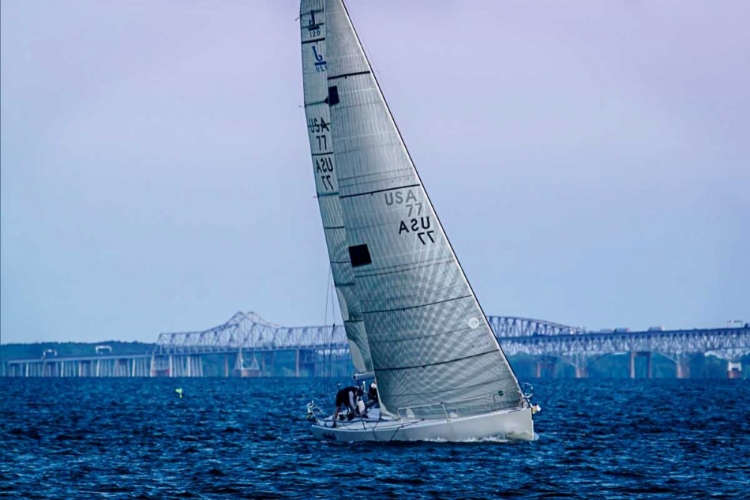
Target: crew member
<point>372,395</point>
<point>346,397</point>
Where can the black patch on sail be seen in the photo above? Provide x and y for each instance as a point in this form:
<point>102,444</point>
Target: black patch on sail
<point>333,95</point>
<point>360,255</point>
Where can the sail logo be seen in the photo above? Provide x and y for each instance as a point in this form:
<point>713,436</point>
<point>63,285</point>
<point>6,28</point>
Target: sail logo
<point>410,201</point>
<point>320,62</point>
<point>398,197</point>
<point>318,125</point>
<point>311,24</point>
<point>419,226</point>
<point>415,222</point>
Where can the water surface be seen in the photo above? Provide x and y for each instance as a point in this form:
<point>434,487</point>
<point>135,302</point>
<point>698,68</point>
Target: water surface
<point>247,438</point>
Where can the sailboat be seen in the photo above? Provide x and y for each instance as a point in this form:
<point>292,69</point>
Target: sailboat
<point>410,315</point>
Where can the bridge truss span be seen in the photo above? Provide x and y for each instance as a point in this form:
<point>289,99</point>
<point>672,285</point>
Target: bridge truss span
<point>724,342</point>
<point>511,326</point>
<point>248,331</point>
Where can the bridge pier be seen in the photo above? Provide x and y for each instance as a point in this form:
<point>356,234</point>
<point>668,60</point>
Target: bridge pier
<point>682,366</point>
<point>545,367</point>
<point>120,368</point>
<point>189,365</point>
<point>253,370</point>
<point>581,365</point>
<point>305,363</point>
<point>734,369</point>
<point>649,366</point>
<point>159,367</point>
<point>267,364</point>
<point>190,368</point>
<point>197,366</point>
<point>250,373</point>
<point>145,368</point>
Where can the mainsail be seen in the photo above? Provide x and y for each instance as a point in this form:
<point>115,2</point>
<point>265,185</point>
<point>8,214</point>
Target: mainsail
<point>314,68</point>
<point>430,342</point>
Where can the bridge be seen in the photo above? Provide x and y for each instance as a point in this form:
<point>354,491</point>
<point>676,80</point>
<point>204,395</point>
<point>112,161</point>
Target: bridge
<point>126,365</point>
<point>247,345</point>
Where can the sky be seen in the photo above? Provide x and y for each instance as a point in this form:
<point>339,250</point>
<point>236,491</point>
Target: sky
<point>589,160</point>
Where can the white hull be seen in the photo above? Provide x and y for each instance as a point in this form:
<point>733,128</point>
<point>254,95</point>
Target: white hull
<point>515,425</point>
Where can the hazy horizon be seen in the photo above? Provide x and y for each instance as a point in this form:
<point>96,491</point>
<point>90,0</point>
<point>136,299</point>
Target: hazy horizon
<point>589,160</point>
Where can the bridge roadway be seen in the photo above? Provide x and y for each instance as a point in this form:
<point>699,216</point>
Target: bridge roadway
<point>246,337</point>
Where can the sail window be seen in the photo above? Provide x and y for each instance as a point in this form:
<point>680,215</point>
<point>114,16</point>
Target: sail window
<point>333,95</point>
<point>360,255</point>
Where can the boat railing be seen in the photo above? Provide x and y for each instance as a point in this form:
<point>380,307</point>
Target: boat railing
<point>458,408</point>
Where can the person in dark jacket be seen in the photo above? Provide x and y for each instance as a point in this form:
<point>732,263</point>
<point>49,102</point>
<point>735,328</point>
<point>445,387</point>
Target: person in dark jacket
<point>347,397</point>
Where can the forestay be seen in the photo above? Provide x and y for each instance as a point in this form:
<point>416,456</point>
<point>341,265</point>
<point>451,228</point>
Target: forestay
<point>429,339</point>
<point>314,68</point>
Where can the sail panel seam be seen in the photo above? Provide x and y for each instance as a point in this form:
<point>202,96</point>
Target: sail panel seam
<point>378,191</point>
<point>494,381</point>
<point>417,307</point>
<point>407,339</point>
<point>398,368</point>
<point>347,75</point>
<point>407,268</point>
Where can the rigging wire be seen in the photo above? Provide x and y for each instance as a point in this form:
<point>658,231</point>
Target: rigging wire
<point>327,355</point>
<point>333,328</point>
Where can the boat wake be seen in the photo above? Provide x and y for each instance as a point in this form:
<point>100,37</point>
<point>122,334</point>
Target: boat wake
<point>488,439</point>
